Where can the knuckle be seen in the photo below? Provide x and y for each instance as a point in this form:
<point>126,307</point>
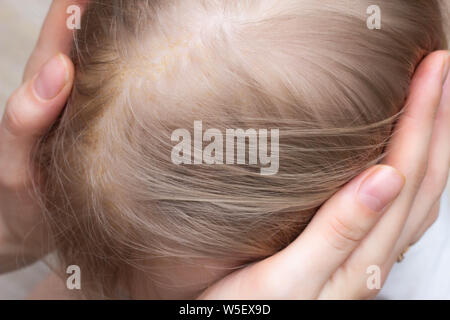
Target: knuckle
<point>13,120</point>
<point>344,235</point>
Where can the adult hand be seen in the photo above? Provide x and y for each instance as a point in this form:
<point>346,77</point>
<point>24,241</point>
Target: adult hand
<point>372,219</point>
<point>29,112</point>
<point>329,259</point>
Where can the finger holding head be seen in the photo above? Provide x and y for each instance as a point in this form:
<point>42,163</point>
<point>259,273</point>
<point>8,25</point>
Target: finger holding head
<point>29,113</point>
<point>55,35</point>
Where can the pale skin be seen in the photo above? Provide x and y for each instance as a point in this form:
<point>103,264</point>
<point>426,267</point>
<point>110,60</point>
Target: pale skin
<point>328,260</point>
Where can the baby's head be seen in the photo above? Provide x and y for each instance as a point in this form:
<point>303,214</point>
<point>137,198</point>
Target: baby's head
<point>119,203</point>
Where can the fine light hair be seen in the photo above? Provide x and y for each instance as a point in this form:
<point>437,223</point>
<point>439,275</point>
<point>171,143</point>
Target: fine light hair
<point>114,200</point>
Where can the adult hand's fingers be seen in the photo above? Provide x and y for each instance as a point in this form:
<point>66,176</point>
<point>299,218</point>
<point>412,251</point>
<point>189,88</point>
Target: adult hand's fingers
<point>29,112</point>
<point>431,218</point>
<point>402,245</point>
<point>408,152</point>
<point>301,269</point>
<point>55,37</point>
<point>436,175</point>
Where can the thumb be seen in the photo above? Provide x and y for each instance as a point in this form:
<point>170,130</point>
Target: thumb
<point>333,234</point>
<point>29,112</point>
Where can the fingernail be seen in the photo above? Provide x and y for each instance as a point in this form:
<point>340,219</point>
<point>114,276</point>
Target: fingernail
<point>381,187</point>
<point>51,79</point>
